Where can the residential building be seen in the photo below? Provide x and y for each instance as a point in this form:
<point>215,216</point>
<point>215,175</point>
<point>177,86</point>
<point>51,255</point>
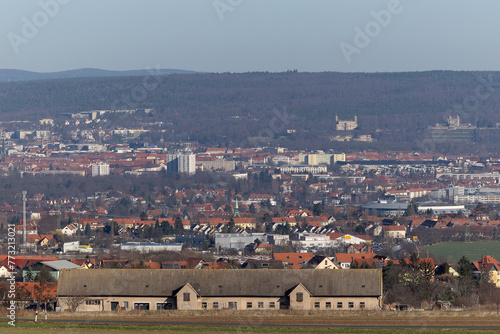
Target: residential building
<point>100,169</point>
<point>346,261</point>
<point>312,240</point>
<point>394,232</point>
<point>293,260</point>
<point>182,162</point>
<point>491,266</point>
<point>320,262</point>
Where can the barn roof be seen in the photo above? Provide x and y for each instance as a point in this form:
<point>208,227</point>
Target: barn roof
<point>222,283</point>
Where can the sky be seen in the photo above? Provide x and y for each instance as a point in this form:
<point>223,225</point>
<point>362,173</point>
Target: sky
<point>250,35</point>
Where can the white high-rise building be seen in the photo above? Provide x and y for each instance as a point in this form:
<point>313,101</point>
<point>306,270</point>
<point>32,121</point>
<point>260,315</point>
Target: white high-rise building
<point>187,163</point>
<point>182,162</point>
<point>100,169</point>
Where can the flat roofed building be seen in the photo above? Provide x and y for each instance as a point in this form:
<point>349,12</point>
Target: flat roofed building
<point>100,169</point>
<point>150,289</point>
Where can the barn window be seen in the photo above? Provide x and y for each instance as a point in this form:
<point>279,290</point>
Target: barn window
<point>187,296</point>
<point>141,306</point>
<point>300,296</point>
<point>92,302</point>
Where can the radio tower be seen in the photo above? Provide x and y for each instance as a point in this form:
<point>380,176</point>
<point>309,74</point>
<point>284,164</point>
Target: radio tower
<point>24,217</point>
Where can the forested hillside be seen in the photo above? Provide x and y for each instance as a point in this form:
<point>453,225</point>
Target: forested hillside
<point>230,108</point>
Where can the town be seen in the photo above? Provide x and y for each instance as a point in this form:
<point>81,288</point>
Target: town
<point>84,193</point>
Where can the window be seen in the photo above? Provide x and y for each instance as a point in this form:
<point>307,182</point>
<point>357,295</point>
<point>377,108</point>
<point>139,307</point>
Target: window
<point>249,304</point>
<point>187,296</point>
<point>339,304</point>
<point>362,304</point>
<point>328,305</point>
<point>161,306</point>
<point>215,305</point>
<point>351,305</point>
<point>233,305</point>
<point>125,305</point>
<point>300,296</point>
<point>271,304</point>
<point>92,302</point>
<point>316,305</point>
<point>141,306</point>
<point>204,305</point>
<point>260,305</point>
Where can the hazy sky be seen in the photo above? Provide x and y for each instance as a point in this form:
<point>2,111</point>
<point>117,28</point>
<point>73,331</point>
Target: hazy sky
<point>250,35</point>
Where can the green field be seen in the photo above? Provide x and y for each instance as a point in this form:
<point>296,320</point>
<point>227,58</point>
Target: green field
<point>453,251</point>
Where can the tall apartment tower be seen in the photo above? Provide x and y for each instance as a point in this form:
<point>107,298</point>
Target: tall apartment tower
<point>182,162</point>
<point>100,169</point>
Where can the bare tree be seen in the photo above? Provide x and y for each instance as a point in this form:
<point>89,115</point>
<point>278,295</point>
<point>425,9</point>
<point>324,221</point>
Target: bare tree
<point>73,302</point>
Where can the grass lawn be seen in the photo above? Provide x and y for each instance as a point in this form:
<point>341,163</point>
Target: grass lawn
<point>25,328</point>
<point>453,251</point>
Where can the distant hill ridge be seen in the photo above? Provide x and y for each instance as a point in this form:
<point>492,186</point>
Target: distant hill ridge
<point>7,75</point>
<point>292,109</point>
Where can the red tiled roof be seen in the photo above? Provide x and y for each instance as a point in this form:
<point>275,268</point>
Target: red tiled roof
<point>294,260</point>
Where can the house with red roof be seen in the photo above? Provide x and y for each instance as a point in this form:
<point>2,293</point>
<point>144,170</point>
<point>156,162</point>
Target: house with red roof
<point>299,213</point>
<point>360,248</point>
<point>293,260</point>
<point>346,260</point>
<point>292,221</point>
<point>491,266</point>
<point>245,223</point>
<point>87,263</point>
<point>39,239</point>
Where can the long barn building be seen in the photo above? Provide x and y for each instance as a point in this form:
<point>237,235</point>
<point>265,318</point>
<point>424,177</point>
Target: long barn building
<point>259,289</point>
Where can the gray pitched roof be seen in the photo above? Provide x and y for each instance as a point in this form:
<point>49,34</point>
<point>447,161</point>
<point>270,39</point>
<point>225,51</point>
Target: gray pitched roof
<point>220,282</point>
<point>61,264</point>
